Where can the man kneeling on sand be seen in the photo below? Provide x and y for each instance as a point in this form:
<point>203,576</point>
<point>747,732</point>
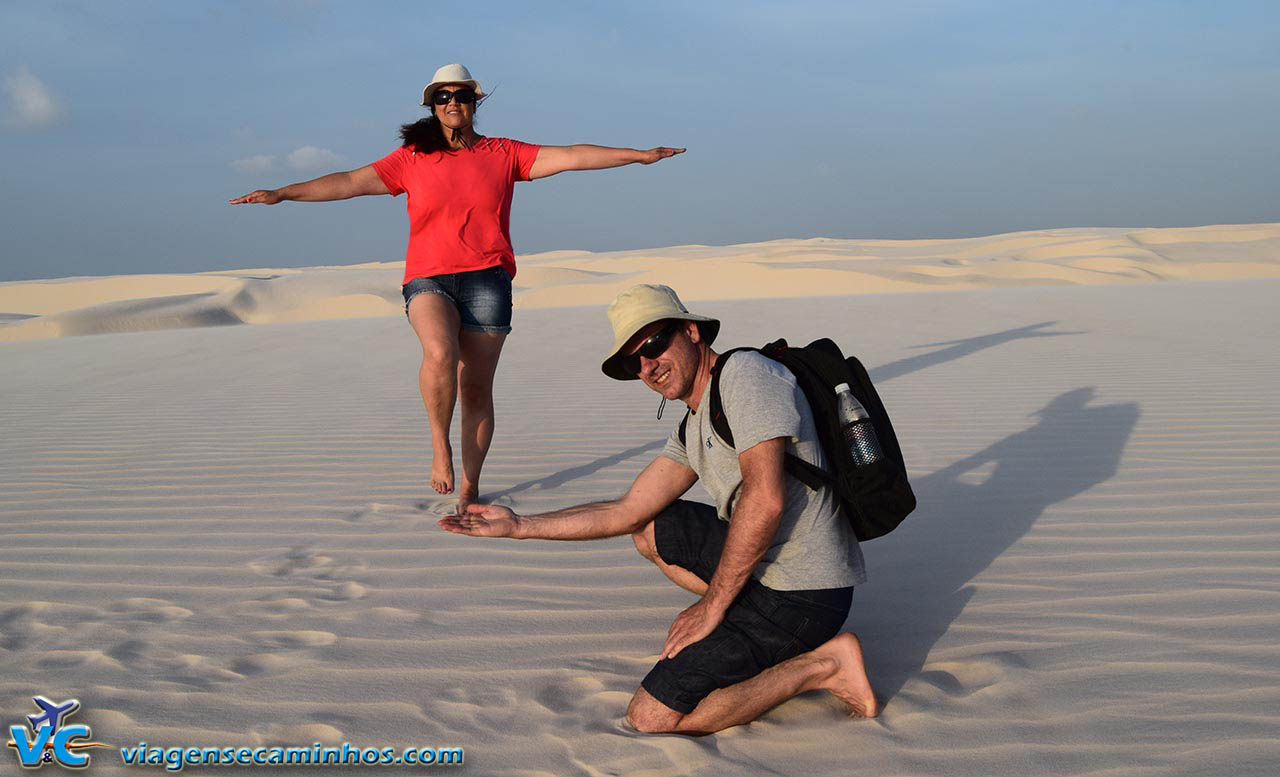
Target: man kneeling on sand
<point>774,561</point>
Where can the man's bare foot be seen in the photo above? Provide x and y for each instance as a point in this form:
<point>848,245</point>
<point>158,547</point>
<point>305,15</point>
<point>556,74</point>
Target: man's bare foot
<point>469,493</point>
<point>442,470</point>
<point>849,683</point>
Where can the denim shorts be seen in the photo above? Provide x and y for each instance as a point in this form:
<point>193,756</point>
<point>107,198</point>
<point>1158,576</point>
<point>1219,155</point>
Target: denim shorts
<point>482,297</point>
<point>762,627</point>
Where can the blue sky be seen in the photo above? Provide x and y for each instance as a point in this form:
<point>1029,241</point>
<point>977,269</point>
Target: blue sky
<point>125,127</point>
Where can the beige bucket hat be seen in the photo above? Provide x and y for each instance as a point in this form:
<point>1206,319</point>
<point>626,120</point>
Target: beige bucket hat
<point>450,74</point>
<point>641,305</point>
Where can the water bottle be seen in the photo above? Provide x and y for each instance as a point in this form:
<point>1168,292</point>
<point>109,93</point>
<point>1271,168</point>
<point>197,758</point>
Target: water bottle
<point>856,426</point>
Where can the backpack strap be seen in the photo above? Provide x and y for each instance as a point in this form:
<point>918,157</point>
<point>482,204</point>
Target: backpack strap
<point>812,476</point>
<point>809,474</point>
<point>719,421</point>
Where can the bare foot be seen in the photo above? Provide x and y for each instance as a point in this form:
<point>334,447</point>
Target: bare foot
<point>442,470</point>
<point>849,683</point>
<point>469,493</point>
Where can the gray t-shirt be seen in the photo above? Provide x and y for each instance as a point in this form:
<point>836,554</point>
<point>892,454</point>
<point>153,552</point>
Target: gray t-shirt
<point>814,546</point>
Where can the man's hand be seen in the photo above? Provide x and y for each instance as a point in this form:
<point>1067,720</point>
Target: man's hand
<point>654,154</point>
<point>482,521</point>
<point>693,624</point>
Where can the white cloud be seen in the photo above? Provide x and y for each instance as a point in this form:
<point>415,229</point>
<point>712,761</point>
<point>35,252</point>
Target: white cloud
<point>31,104</point>
<point>311,158</point>
<point>304,158</point>
<point>258,163</point>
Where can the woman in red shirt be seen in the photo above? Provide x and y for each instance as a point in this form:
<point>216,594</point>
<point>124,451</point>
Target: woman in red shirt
<point>459,263</point>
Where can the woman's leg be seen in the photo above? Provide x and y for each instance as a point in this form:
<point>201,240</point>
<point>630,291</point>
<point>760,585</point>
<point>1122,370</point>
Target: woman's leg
<point>435,320</point>
<point>479,353</point>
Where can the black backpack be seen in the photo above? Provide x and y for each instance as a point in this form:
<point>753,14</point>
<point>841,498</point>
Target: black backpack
<point>874,498</point>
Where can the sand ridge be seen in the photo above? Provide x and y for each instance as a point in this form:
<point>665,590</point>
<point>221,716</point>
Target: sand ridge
<point>773,269</point>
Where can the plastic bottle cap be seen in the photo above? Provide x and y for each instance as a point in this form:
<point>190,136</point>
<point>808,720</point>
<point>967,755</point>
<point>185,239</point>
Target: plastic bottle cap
<point>843,387</point>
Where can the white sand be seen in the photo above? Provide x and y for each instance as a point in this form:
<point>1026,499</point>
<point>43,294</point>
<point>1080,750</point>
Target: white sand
<point>776,269</point>
<point>223,535</point>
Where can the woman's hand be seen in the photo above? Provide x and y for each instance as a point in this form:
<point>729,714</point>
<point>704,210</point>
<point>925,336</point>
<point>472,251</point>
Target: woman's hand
<point>261,197</point>
<point>661,152</point>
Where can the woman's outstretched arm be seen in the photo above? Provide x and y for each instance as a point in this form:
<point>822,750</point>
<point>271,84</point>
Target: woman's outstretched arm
<point>557,159</point>
<point>334,186</point>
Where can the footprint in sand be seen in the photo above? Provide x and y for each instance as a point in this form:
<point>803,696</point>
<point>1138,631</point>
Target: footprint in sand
<point>433,507</point>
<point>622,669</point>
<point>378,511</point>
<point>289,736</point>
<point>448,505</point>
<point>21,625</point>
<point>76,659</point>
<point>292,639</point>
<point>326,577</point>
<point>964,678</point>
<point>476,709</point>
<point>57,625</point>
<point>282,651</point>
<point>143,610</point>
<point>264,664</point>
<point>442,506</point>
<point>566,695</point>
<point>596,699</point>
<point>162,665</point>
<point>274,606</point>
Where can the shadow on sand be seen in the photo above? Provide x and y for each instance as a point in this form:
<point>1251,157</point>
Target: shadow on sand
<point>970,512</point>
<point>956,349</point>
<point>582,470</point>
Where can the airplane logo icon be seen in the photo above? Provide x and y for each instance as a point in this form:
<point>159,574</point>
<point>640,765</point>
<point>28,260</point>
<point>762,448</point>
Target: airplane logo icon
<point>52,714</point>
<point>51,739</point>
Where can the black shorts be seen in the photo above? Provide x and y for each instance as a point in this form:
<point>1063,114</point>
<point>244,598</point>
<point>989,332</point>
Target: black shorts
<point>762,627</point>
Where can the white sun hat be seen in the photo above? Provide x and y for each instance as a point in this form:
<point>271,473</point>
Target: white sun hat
<point>450,74</point>
<point>639,306</point>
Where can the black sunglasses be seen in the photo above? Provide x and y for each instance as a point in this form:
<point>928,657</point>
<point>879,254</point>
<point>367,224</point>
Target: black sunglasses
<point>651,348</point>
<point>463,96</point>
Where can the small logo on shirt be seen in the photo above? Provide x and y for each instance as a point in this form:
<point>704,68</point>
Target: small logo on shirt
<point>708,442</point>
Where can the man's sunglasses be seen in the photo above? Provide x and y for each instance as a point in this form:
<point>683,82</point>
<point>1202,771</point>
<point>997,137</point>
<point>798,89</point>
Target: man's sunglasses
<point>463,96</point>
<point>651,348</point>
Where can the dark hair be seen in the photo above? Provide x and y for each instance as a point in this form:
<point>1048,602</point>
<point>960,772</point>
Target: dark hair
<point>425,135</point>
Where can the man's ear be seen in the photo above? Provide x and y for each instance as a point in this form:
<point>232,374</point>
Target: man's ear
<point>695,334</point>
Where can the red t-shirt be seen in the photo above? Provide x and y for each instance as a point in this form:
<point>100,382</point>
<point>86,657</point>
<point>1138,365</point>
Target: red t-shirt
<point>459,204</point>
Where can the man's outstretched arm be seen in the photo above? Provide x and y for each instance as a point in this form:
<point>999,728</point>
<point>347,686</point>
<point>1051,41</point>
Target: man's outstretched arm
<point>660,484</point>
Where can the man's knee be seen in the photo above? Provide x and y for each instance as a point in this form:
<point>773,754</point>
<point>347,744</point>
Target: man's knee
<point>645,542</point>
<point>650,716</point>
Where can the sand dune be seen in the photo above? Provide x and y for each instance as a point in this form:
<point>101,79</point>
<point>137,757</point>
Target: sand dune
<point>777,269</point>
<point>90,306</point>
<point>222,535</point>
